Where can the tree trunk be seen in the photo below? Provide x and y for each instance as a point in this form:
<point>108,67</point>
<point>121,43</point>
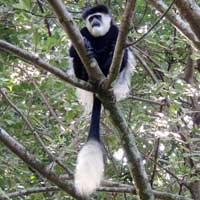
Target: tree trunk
<point>195,189</point>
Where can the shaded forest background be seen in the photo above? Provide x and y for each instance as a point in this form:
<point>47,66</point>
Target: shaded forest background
<point>42,113</point>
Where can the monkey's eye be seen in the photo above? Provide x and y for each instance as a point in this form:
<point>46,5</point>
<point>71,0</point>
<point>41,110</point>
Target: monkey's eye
<point>90,19</point>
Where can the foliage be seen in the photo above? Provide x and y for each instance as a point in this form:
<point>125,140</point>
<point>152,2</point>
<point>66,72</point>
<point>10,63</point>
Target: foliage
<point>166,134</point>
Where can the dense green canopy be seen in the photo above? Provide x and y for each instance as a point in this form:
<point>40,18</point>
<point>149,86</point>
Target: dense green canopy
<point>41,111</point>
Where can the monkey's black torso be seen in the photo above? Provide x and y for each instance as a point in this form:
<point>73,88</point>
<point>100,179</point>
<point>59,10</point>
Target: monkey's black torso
<point>103,48</point>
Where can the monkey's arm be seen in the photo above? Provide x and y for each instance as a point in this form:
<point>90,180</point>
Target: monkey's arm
<point>79,69</point>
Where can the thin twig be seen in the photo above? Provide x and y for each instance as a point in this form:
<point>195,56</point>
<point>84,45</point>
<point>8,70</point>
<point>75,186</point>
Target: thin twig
<point>152,27</point>
<point>146,100</point>
<point>121,40</point>
<point>37,136</point>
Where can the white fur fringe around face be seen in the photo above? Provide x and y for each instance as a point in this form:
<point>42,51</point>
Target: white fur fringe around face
<point>104,25</point>
<point>89,168</point>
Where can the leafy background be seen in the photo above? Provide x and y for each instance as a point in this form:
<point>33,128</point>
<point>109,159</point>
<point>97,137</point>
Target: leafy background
<point>165,131</point>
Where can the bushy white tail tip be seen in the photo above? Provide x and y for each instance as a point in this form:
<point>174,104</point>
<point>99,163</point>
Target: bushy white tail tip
<point>89,168</point>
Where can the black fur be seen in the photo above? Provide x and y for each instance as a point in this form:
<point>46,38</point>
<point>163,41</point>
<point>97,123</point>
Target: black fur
<point>103,48</point>
<point>99,8</point>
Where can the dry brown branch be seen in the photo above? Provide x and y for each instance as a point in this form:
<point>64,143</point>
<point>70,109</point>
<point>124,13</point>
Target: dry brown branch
<point>38,62</point>
<point>121,41</point>
<point>32,161</point>
<point>177,21</point>
<point>191,12</point>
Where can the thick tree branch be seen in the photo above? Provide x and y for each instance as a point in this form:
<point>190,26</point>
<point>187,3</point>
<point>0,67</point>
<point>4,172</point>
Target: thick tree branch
<point>121,40</point>
<point>114,188</point>
<point>177,22</point>
<point>74,34</point>
<point>29,159</point>
<point>128,142</point>
<point>191,12</point>
<point>38,62</point>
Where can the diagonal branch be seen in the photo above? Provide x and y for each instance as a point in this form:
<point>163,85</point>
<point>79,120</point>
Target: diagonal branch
<point>38,62</point>
<point>128,142</point>
<point>127,138</point>
<point>74,34</point>
<point>29,159</point>
<point>153,26</point>
<point>176,20</point>
<point>35,133</point>
<point>191,12</point>
<point>121,40</point>
<point>28,192</point>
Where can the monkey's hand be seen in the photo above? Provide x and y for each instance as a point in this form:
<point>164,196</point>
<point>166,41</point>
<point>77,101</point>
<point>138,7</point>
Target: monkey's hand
<point>89,48</point>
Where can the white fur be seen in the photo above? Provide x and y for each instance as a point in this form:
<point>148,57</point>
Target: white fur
<point>122,84</point>
<point>89,168</point>
<point>70,70</point>
<point>86,99</point>
<point>103,28</point>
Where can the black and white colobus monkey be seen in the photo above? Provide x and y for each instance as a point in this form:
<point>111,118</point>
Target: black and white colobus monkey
<point>100,36</point>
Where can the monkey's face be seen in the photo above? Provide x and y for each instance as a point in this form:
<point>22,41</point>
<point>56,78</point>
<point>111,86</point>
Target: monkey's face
<point>98,24</point>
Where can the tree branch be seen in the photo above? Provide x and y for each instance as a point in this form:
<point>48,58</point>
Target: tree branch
<point>38,62</point>
<point>114,188</point>
<point>153,26</point>
<point>121,40</point>
<point>177,22</point>
<point>146,67</point>
<point>28,192</point>
<point>29,159</point>
<point>35,133</point>
<point>65,19</point>
<point>128,142</point>
<point>191,12</point>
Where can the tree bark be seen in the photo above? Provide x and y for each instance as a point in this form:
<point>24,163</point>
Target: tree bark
<point>191,12</point>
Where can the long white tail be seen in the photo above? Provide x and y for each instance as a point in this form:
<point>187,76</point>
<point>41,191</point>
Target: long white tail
<point>89,168</point>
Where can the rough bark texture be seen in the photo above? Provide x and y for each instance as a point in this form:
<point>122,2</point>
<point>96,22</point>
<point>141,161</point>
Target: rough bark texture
<point>195,189</point>
<point>191,12</point>
<point>29,159</point>
<point>38,62</point>
<point>176,20</point>
<point>128,142</point>
<point>74,34</point>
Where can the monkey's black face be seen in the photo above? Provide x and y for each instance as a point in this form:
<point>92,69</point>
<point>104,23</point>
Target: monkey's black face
<point>98,24</point>
<point>95,20</point>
